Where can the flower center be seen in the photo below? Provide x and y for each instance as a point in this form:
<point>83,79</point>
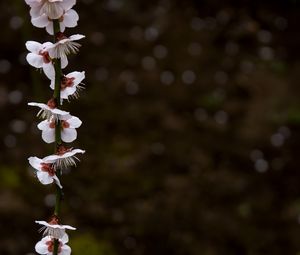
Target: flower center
<point>51,103</point>
<point>67,82</point>
<point>45,55</point>
<point>48,168</point>
<point>53,220</point>
<point>60,36</point>
<point>65,124</point>
<point>50,245</point>
<point>62,150</point>
<point>52,124</point>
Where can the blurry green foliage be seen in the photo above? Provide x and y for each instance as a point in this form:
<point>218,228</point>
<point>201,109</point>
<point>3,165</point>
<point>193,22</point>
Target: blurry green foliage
<point>89,245</point>
<point>211,102</point>
<point>279,67</point>
<point>293,116</point>
<point>9,177</point>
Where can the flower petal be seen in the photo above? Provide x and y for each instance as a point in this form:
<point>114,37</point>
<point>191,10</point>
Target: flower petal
<point>49,71</point>
<point>65,155</point>
<point>72,153</point>
<point>33,46</point>
<point>51,158</point>
<point>60,112</point>
<point>47,45</point>
<point>57,181</point>
<point>62,27</point>
<point>56,226</point>
<point>44,177</point>
<point>33,3</point>
<point>68,92</point>
<point>35,104</point>
<point>76,37</point>
<point>65,238</point>
<point>41,247</point>
<point>41,222</point>
<point>68,135</point>
<point>68,227</point>
<point>65,250</point>
<point>53,10</point>
<point>64,62</point>
<point>49,28</point>
<point>35,162</point>
<point>45,107</point>
<point>35,11</point>
<point>79,77</point>
<point>35,60</point>
<point>70,18</point>
<point>40,21</point>
<point>65,117</point>
<point>74,122</point>
<point>68,4</point>
<point>48,135</point>
<point>52,84</point>
<point>43,125</point>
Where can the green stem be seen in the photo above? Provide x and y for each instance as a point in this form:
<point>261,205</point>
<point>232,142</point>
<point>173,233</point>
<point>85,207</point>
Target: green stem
<point>56,93</point>
<point>58,141</point>
<point>56,96</point>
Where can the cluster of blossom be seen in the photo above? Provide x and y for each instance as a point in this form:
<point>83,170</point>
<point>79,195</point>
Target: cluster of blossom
<point>55,16</point>
<point>53,230</point>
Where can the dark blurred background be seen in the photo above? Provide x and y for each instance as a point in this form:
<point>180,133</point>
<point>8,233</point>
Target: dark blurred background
<point>191,119</point>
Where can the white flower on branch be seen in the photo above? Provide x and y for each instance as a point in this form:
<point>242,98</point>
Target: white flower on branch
<point>71,85</point>
<point>46,246</point>
<point>65,46</point>
<point>68,125</point>
<point>45,170</point>
<point>53,228</point>
<point>49,110</point>
<point>54,9</point>
<point>39,57</point>
<point>68,19</point>
<point>65,157</point>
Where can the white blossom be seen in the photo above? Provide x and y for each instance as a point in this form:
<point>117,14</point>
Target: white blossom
<point>65,46</point>
<point>46,246</point>
<point>65,157</point>
<point>54,9</point>
<point>53,228</point>
<point>68,19</point>
<point>49,110</point>
<point>45,170</point>
<point>39,57</point>
<point>70,85</point>
<point>68,124</point>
